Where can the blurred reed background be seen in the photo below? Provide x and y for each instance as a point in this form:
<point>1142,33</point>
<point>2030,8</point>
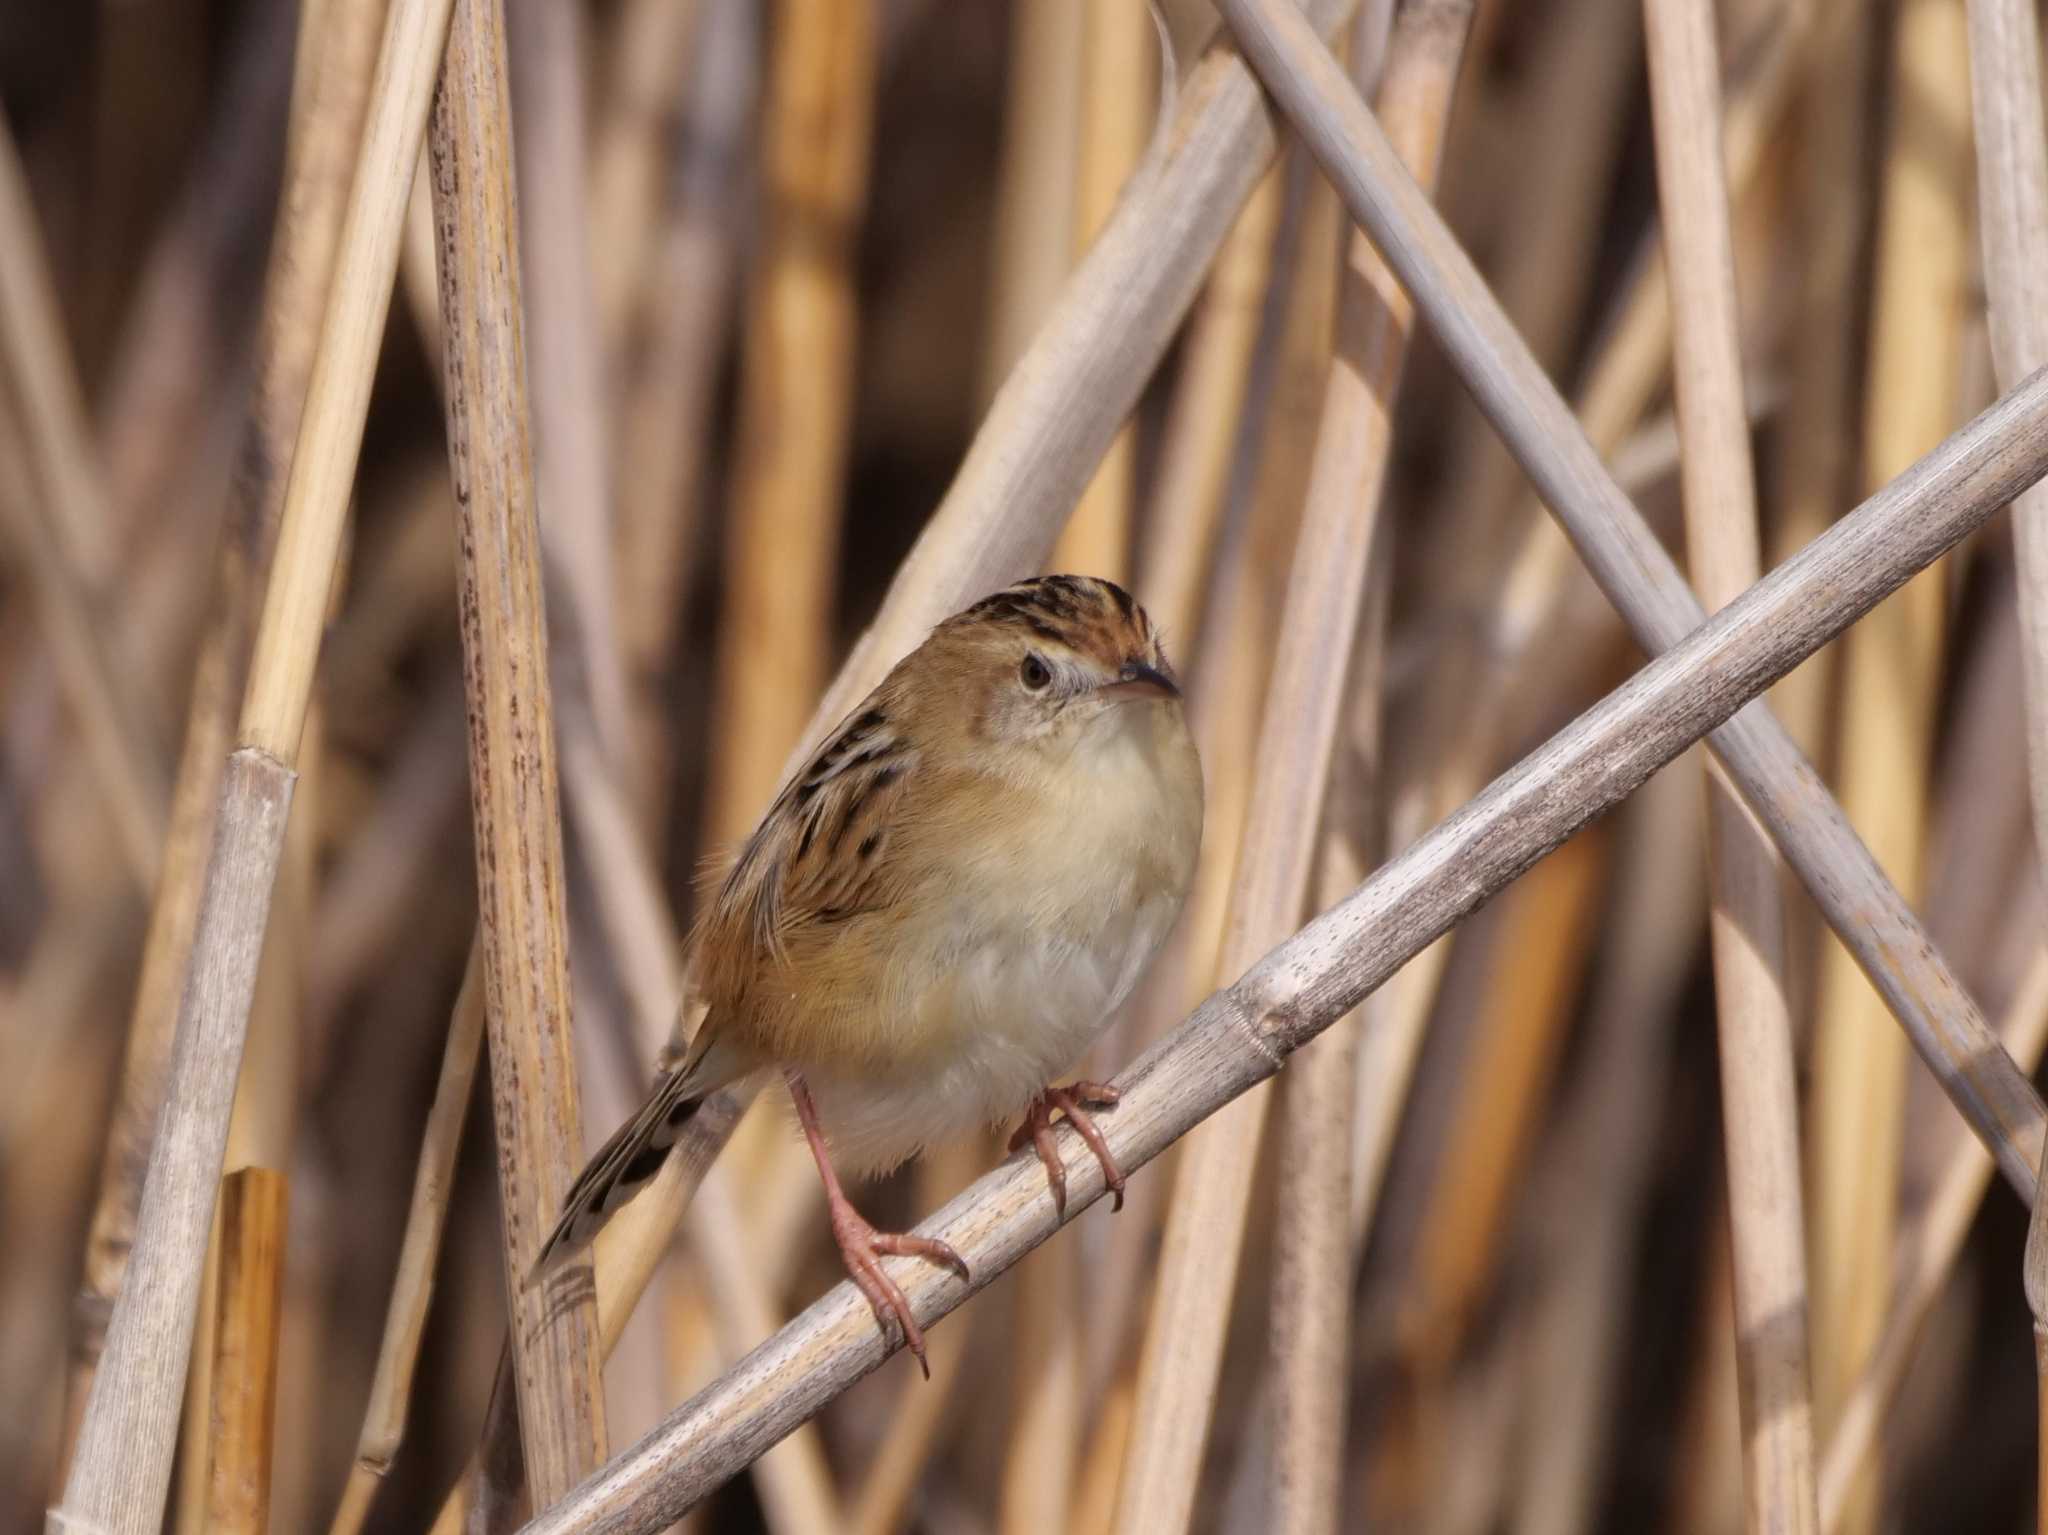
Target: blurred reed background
<point>778,258</point>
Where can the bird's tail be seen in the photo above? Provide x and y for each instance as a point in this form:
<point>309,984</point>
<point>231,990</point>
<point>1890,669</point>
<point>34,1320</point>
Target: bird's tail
<point>630,1160</point>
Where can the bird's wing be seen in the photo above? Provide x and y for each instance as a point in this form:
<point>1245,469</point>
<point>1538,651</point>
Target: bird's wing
<point>821,852</point>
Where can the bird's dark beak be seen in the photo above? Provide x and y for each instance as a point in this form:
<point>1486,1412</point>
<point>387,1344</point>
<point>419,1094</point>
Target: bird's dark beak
<point>1138,681</point>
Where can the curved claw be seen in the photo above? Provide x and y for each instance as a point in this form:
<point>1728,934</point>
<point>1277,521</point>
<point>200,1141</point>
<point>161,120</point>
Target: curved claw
<point>1073,1101</point>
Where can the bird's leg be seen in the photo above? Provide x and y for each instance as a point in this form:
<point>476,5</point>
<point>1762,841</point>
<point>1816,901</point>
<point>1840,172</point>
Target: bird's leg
<point>1074,1100</point>
<point>861,1246</point>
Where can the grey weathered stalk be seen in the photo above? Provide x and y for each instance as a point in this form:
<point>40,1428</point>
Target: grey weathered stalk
<point>1639,577</point>
<point>522,915</point>
<point>1242,1034</point>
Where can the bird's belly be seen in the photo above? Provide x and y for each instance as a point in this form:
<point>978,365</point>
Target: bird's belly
<point>1006,1014</point>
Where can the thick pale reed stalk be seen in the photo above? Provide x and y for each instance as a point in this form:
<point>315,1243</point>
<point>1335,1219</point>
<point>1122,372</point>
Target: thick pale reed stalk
<point>242,1410</point>
<point>122,1464</point>
<point>1891,689</point>
<point>1759,1090</point>
<point>1632,568</point>
<point>521,881</point>
<point>796,408</point>
<point>1242,1035</point>
<point>1115,103</point>
<point>405,1321</point>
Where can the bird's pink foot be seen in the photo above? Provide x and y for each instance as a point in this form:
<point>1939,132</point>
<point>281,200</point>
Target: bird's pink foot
<point>1072,1101</point>
<point>862,1247</point>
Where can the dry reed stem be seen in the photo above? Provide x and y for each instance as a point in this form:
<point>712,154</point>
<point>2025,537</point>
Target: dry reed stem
<point>1929,1241</point>
<point>65,531</point>
<point>1243,1034</point>
<point>242,1411</point>
<point>1035,201</point>
<point>520,876</point>
<point>796,404</point>
<point>412,1292</point>
<point>2012,172</point>
<point>1759,1095</point>
<point>1891,681</point>
<point>1054,417</point>
<point>122,1466</point>
<point>1297,695</point>
<point>1115,104</point>
<point>1640,579</point>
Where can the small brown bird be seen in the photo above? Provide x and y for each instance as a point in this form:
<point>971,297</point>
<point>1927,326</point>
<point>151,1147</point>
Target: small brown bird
<point>941,910</point>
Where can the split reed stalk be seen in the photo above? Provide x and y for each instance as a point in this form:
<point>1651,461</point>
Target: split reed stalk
<point>1115,104</point>
<point>121,1468</point>
<point>796,407</point>
<point>242,1411</point>
<point>1640,579</point>
<point>1759,1091</point>
<point>521,881</point>
<point>1891,680</point>
<point>1241,1036</point>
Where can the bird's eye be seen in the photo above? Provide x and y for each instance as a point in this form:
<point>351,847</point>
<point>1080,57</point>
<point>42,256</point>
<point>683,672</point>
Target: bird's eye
<point>1035,673</point>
